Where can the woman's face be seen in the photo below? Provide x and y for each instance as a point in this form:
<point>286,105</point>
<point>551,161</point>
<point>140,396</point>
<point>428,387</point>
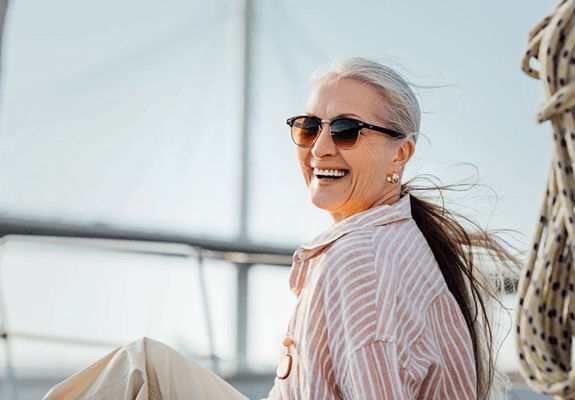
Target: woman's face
<point>365,166</point>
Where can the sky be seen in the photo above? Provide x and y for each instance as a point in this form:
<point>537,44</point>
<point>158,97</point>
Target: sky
<point>125,113</point>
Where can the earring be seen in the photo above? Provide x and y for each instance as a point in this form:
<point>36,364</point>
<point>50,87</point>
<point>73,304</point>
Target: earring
<point>393,178</point>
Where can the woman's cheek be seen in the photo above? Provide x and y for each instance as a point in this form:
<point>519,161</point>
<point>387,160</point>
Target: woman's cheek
<point>304,167</point>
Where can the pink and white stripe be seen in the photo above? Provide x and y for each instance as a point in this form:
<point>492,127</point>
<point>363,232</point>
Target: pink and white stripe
<point>374,317</point>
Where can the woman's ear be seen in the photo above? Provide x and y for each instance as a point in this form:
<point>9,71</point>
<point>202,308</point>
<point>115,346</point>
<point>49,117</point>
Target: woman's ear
<point>404,153</point>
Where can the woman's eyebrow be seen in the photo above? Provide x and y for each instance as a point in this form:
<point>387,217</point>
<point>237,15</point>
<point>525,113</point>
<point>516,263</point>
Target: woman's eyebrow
<point>342,115</point>
<point>349,115</point>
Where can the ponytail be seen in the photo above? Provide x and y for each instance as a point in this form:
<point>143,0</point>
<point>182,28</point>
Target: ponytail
<point>454,246</point>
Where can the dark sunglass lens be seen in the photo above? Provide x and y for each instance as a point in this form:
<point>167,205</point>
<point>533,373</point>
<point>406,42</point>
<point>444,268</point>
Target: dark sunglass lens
<point>304,131</point>
<point>344,133</point>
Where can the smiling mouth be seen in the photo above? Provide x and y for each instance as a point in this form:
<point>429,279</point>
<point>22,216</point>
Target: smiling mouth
<point>330,174</point>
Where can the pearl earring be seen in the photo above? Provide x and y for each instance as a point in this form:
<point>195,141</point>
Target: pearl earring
<point>393,178</point>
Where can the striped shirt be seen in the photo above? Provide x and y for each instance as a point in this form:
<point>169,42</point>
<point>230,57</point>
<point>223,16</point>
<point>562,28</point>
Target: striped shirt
<point>374,318</point>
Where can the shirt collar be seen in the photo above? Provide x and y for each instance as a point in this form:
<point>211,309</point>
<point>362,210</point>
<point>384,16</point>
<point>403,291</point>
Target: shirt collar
<point>371,218</point>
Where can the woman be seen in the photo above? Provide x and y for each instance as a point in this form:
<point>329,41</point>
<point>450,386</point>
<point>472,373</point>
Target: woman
<point>389,304</point>
<point>387,307</point>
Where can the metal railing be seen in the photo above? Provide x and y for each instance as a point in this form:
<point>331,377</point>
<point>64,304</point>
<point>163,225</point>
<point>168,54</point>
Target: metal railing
<point>242,255</point>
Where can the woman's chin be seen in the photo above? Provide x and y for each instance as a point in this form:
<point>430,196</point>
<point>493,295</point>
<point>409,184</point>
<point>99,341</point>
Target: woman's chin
<point>326,195</point>
<point>333,205</point>
<point>325,203</point>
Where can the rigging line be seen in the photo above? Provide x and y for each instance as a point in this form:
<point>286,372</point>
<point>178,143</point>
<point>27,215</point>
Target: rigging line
<point>546,292</point>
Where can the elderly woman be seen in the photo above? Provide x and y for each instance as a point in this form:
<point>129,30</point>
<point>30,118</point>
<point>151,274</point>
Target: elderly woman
<point>388,306</point>
<point>375,317</point>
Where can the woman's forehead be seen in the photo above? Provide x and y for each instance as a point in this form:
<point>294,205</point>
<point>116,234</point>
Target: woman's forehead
<point>336,97</point>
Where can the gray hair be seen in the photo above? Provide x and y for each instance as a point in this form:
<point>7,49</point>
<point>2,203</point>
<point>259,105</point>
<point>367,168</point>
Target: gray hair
<point>405,113</point>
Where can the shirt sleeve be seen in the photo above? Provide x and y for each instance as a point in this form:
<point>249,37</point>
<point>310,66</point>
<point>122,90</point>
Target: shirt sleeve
<point>374,373</point>
<point>442,364</point>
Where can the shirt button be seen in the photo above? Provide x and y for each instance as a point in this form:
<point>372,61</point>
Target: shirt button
<point>301,256</point>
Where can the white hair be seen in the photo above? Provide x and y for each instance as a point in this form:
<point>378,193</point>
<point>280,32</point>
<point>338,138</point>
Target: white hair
<point>403,104</point>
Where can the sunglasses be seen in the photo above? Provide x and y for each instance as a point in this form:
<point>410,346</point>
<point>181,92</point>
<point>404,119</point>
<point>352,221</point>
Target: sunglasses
<point>305,130</point>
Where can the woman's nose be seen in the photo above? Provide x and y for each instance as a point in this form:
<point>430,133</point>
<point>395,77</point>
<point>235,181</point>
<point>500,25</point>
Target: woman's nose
<point>324,145</point>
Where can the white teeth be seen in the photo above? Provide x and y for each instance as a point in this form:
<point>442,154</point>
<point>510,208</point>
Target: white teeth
<point>329,172</point>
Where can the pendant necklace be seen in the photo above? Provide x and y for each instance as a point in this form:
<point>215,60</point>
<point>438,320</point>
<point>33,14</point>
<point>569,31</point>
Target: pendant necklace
<point>284,368</point>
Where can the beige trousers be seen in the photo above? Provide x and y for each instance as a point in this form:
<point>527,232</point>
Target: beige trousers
<point>144,370</point>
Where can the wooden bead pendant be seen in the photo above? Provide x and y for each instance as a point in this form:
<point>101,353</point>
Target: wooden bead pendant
<point>284,368</point>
